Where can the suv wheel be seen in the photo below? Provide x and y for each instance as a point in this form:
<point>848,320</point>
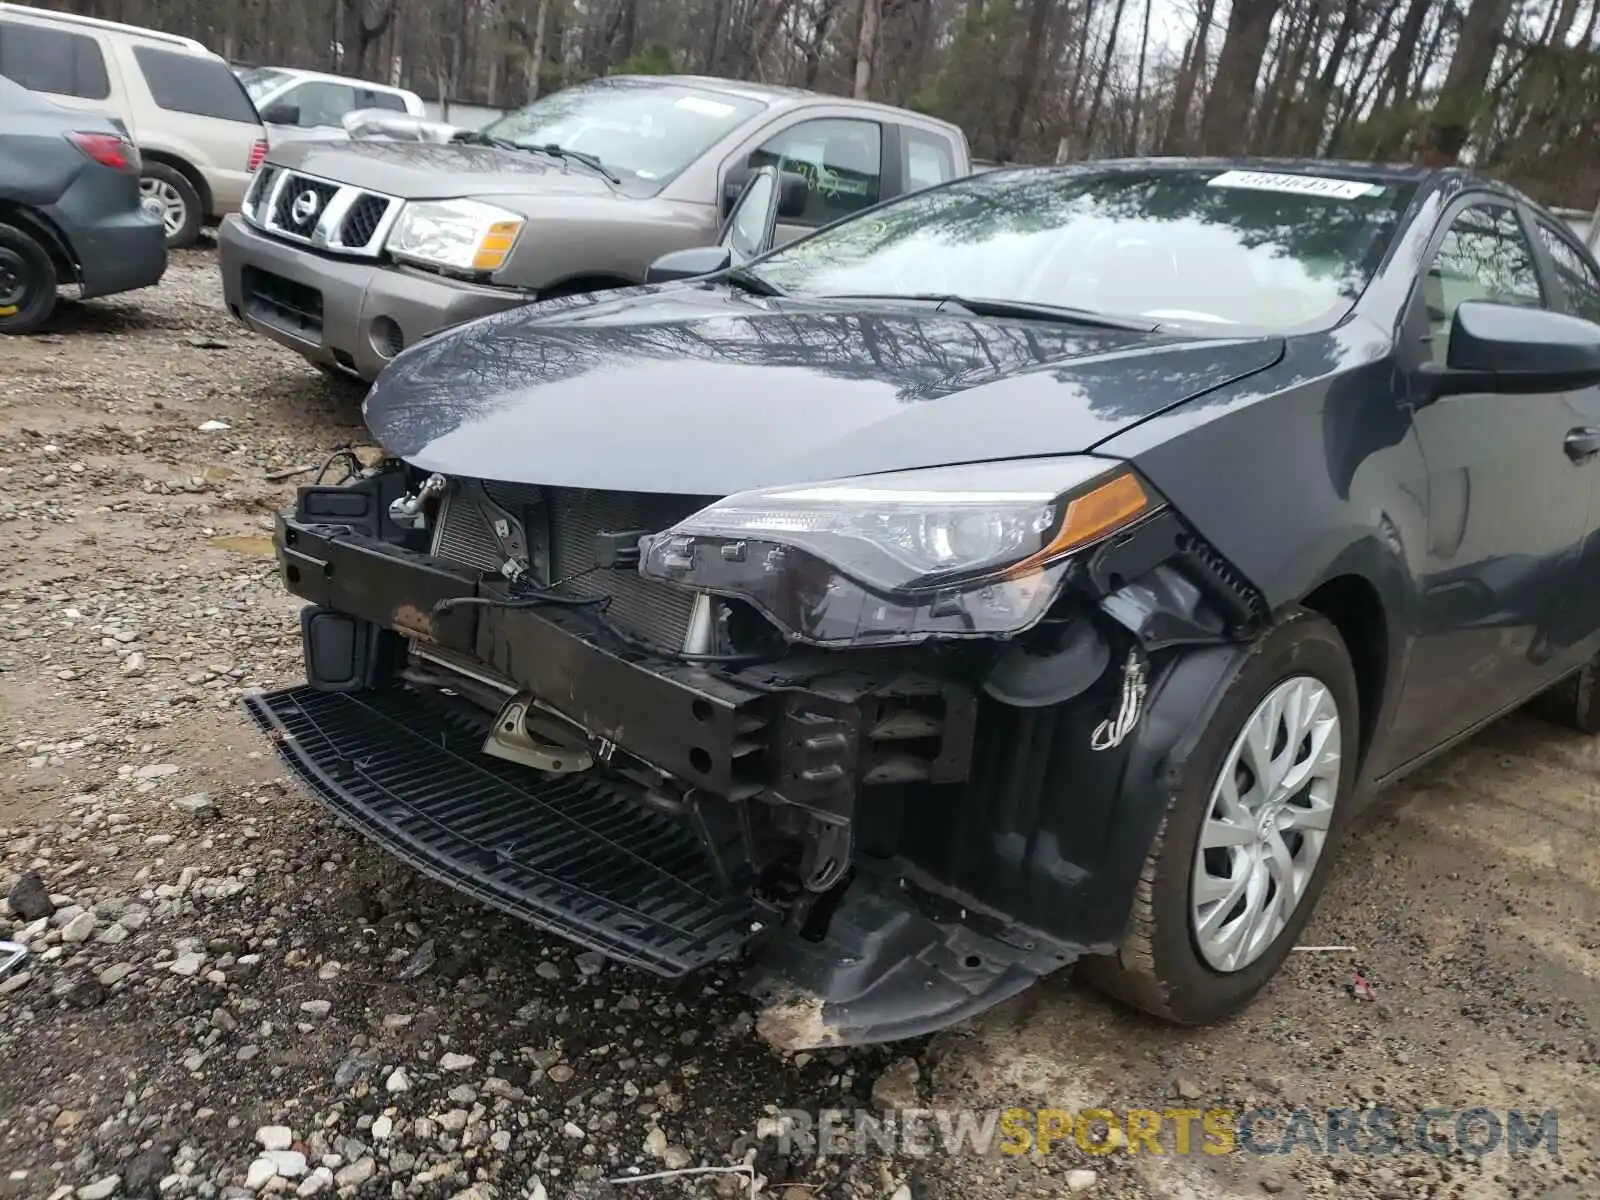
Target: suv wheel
<point>27,281</point>
<point>1249,835</point>
<point>177,201</point>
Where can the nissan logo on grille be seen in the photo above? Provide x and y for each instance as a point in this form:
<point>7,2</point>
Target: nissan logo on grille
<point>305,207</point>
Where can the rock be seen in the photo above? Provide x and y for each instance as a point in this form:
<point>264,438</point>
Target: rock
<point>896,1088</point>
<point>319,1180</point>
<point>275,1137</point>
<point>29,899</point>
<point>86,992</point>
<point>382,1127</point>
<point>453,1121</point>
<point>537,1192</point>
<point>677,1158</point>
<point>188,963</point>
<point>560,1073</point>
<point>115,973</point>
<point>316,1009</point>
<point>357,1173</point>
<point>1185,1088</point>
<point>198,805</point>
<point>142,1175</point>
<point>455,1062</point>
<point>590,962</point>
<point>1081,1179</point>
<point>15,983</point>
<point>100,1188</point>
<point>547,970</point>
<point>398,1081</point>
<point>655,1142</point>
<point>261,1170</point>
<point>423,957</point>
<point>80,928</point>
<point>133,666</point>
<point>290,1164</point>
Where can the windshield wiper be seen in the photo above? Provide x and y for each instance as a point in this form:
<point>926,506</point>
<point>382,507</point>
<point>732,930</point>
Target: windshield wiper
<point>580,156</point>
<point>980,306</point>
<point>749,281</point>
<point>477,138</point>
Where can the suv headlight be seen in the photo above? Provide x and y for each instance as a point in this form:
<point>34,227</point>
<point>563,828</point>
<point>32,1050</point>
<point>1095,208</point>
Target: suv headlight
<point>459,235</point>
<point>975,550</point>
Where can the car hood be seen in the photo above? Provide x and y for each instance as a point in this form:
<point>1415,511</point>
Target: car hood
<point>701,390</point>
<point>427,171</point>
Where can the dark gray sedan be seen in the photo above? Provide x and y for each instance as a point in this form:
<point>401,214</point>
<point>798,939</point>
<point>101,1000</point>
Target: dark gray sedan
<point>70,211</point>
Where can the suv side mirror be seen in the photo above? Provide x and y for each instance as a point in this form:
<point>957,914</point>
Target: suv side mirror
<point>281,114</point>
<point>687,264</point>
<point>1507,348</point>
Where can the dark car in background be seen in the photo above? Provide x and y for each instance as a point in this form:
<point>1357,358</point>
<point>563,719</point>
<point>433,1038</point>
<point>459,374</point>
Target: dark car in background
<point>70,209</point>
<point>1041,568</point>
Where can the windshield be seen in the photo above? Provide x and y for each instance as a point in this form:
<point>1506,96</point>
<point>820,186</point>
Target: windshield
<point>1222,247</point>
<point>641,128</point>
<point>261,81</point>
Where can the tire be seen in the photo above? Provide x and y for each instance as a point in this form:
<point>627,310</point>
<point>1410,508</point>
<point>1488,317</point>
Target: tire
<point>180,201</point>
<point>27,281</point>
<point>1160,967</point>
<point>1574,702</point>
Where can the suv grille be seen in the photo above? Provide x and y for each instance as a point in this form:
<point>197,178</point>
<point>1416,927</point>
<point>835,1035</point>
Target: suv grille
<point>319,212</point>
<point>644,607</point>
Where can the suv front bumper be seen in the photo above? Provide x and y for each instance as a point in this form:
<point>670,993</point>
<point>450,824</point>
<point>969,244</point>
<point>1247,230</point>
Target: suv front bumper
<point>349,315</point>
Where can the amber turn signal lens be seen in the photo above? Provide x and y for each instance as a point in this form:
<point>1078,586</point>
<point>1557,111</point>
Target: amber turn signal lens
<point>496,245</point>
<point>1089,516</point>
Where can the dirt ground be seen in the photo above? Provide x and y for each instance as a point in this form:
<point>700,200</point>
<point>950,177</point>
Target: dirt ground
<point>220,958</point>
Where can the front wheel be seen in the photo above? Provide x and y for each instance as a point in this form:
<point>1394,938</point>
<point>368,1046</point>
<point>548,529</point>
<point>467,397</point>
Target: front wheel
<point>1249,834</point>
<point>27,281</point>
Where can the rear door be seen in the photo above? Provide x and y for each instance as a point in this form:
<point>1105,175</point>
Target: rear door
<point>1576,284</point>
<point>68,67</point>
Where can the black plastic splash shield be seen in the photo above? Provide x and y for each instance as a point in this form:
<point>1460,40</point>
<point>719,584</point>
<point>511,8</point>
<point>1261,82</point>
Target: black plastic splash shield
<point>577,855</point>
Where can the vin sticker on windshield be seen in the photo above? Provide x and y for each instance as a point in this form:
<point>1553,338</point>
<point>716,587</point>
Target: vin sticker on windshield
<point>1299,185</point>
<point>706,108</point>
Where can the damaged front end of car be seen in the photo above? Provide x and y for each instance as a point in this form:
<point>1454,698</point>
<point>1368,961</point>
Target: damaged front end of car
<point>899,742</point>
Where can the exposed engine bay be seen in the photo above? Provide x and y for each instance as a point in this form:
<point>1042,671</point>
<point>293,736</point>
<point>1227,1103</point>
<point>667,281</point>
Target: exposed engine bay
<point>557,700</point>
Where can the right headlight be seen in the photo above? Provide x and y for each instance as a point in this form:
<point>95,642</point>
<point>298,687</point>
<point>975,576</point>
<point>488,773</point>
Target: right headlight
<point>458,235</point>
<point>975,550</point>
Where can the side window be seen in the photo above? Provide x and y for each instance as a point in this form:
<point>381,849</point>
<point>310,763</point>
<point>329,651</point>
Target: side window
<point>320,103</point>
<point>193,83</point>
<point>841,159</point>
<point>1484,256</point>
<point>927,159</point>
<point>371,98</point>
<point>52,60</point>
<point>1577,275</point>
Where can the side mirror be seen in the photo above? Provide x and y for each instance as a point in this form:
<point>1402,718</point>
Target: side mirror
<point>1507,348</point>
<point>794,192</point>
<point>687,264</point>
<point>733,185</point>
<point>281,114</point>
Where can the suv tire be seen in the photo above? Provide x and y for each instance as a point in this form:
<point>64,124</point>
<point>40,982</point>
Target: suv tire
<point>180,202</point>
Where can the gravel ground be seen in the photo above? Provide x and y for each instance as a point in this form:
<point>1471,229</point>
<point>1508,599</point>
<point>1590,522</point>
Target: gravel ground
<point>228,996</point>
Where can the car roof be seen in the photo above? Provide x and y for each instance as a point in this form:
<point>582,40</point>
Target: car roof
<point>170,41</point>
<point>324,76</point>
<point>777,95</point>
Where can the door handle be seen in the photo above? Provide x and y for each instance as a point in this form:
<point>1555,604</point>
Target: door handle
<point>1582,443</point>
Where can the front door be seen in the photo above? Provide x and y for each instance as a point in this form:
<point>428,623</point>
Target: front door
<point>1508,500</point>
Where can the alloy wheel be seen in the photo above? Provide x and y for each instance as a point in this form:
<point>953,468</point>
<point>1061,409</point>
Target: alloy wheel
<point>174,212</point>
<point>1266,823</point>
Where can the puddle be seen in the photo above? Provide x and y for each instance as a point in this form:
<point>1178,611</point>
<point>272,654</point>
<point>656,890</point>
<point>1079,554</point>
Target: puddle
<point>258,545</point>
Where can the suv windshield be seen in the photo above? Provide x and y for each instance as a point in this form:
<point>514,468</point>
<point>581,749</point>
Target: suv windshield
<point>641,128</point>
<point>1215,246</point>
<point>260,81</point>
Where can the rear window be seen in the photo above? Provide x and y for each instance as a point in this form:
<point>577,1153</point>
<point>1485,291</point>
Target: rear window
<point>928,158</point>
<point>52,60</point>
<point>189,83</point>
